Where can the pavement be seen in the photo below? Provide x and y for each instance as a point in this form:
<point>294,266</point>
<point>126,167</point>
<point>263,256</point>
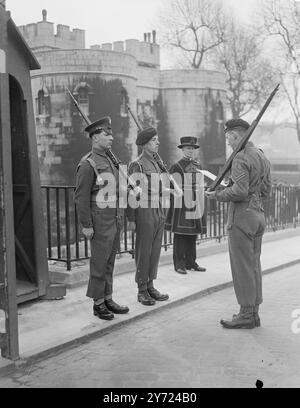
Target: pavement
<point>182,347</point>
<point>49,327</point>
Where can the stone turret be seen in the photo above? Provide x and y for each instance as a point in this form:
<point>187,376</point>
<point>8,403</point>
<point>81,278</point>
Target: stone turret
<point>105,79</point>
<point>41,35</point>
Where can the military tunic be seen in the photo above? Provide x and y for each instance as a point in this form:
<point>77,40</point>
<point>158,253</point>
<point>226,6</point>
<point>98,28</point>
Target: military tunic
<point>149,218</point>
<point>186,228</point>
<point>106,222</point>
<point>246,221</point>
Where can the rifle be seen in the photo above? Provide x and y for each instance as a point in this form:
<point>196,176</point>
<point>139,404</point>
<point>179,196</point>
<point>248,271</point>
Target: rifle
<point>116,162</point>
<point>242,143</point>
<point>159,161</point>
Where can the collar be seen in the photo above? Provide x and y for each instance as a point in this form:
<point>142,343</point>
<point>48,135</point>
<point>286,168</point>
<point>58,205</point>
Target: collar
<point>100,152</point>
<point>148,156</point>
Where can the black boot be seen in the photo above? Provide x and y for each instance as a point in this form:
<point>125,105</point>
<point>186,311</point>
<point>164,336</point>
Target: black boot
<point>156,295</point>
<point>115,308</point>
<point>102,312</point>
<point>145,299</point>
<point>256,319</point>
<point>243,320</point>
<point>196,267</point>
<point>181,270</point>
<point>256,316</point>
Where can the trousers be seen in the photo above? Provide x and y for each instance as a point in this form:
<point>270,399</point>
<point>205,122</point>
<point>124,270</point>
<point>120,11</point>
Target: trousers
<point>149,235</point>
<point>245,231</point>
<point>184,251</point>
<point>104,246</point>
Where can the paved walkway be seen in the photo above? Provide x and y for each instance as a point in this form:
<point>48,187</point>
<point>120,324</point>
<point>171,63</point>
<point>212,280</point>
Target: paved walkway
<point>49,326</point>
<point>185,346</point>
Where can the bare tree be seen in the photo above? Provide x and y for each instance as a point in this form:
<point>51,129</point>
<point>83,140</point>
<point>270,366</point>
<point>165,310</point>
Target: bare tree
<point>281,21</point>
<point>209,37</point>
<point>191,27</point>
<point>250,75</point>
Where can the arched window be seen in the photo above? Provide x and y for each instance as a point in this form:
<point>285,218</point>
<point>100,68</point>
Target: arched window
<point>124,101</point>
<point>43,102</point>
<point>219,113</point>
<point>83,91</point>
<point>83,100</point>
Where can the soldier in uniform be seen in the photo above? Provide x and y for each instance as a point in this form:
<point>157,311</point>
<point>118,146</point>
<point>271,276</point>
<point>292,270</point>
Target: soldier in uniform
<point>101,222</point>
<point>148,218</point>
<point>251,180</point>
<point>187,228</point>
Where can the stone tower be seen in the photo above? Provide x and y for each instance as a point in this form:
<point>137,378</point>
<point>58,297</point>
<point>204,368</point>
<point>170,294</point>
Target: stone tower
<point>104,79</point>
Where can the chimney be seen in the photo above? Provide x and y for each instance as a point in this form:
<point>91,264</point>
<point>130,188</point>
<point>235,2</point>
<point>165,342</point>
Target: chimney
<point>154,36</point>
<point>149,37</point>
<point>145,37</point>
<point>44,13</point>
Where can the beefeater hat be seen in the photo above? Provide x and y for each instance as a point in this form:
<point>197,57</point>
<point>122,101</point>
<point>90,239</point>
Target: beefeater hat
<point>188,141</point>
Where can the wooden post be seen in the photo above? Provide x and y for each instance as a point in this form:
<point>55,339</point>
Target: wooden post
<point>9,339</point>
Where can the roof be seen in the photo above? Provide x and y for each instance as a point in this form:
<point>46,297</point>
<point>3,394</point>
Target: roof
<point>13,30</point>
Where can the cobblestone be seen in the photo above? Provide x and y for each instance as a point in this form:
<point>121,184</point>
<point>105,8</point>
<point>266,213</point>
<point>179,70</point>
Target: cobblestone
<point>185,346</point>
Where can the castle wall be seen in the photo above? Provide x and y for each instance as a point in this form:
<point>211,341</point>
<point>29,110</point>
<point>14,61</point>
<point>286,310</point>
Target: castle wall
<point>177,102</point>
<point>41,36</point>
<point>193,104</point>
<point>60,132</point>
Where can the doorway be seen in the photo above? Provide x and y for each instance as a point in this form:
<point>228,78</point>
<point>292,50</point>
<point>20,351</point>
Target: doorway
<point>27,282</point>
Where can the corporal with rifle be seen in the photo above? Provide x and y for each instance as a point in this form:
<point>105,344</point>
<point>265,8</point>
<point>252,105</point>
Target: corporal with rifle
<point>251,179</point>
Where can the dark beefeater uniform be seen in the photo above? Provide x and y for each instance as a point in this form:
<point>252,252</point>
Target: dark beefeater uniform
<point>186,228</point>
<point>246,221</point>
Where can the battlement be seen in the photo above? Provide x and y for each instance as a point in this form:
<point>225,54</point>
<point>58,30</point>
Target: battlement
<point>146,52</point>
<point>41,35</point>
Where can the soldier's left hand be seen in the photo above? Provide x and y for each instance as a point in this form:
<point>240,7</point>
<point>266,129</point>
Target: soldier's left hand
<point>210,194</point>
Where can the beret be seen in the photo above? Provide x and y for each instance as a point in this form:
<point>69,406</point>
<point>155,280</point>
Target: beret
<point>188,141</point>
<point>235,123</point>
<point>100,124</point>
<point>145,135</point>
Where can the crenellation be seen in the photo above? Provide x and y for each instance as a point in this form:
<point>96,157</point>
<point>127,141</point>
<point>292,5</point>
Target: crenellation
<point>118,46</point>
<point>132,47</point>
<point>107,46</point>
<point>113,75</point>
<point>63,31</point>
<point>30,30</point>
<point>41,35</point>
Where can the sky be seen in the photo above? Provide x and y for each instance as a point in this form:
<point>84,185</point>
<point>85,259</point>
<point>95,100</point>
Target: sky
<point>104,20</point>
<point>110,20</point>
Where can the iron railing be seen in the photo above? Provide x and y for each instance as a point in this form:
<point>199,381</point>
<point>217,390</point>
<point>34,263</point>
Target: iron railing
<point>67,244</point>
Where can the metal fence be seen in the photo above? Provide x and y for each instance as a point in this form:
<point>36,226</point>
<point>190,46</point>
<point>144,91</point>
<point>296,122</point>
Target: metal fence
<point>67,244</point>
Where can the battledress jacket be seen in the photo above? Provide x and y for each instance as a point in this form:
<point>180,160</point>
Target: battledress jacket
<point>88,185</point>
<point>251,179</point>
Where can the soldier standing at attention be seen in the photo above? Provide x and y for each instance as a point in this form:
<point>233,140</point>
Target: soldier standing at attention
<point>148,219</point>
<point>187,228</point>
<point>101,224</point>
<point>251,179</point>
